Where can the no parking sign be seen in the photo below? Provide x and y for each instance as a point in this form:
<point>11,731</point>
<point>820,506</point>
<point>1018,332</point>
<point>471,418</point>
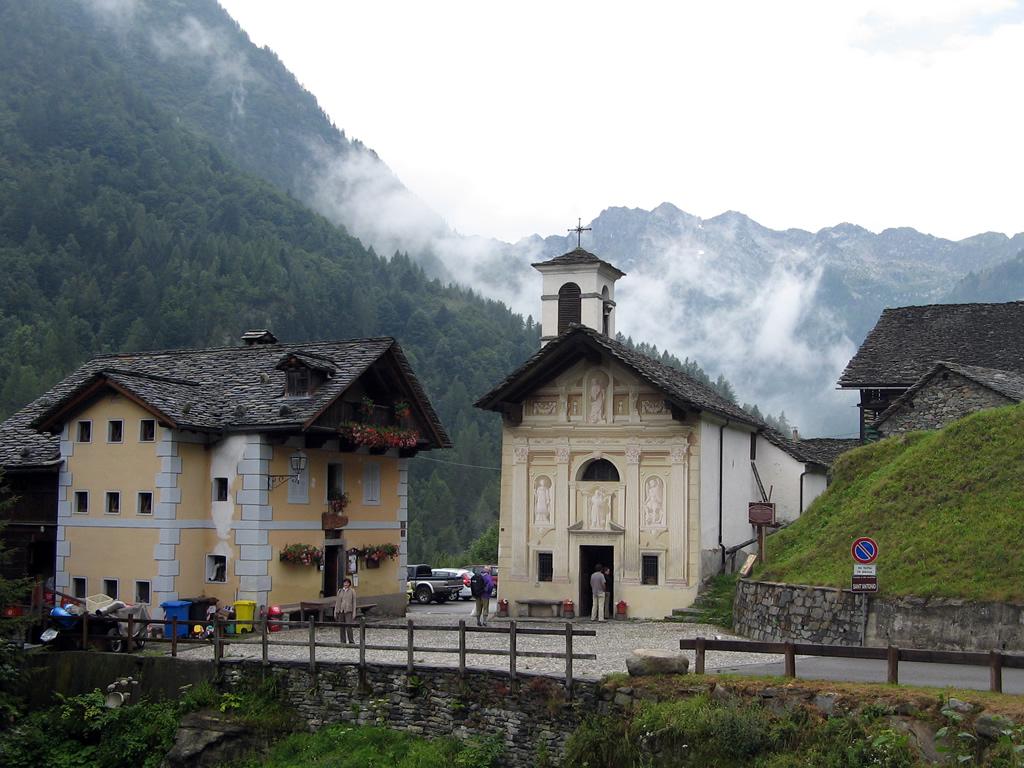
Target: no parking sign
<point>865,552</point>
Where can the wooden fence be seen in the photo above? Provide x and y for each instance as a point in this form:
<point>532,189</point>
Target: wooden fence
<point>267,638</point>
<point>994,660</point>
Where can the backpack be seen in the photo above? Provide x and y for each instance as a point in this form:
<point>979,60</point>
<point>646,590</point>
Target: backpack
<point>477,586</point>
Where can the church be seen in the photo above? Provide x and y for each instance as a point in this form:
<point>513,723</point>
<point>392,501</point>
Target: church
<point>612,458</point>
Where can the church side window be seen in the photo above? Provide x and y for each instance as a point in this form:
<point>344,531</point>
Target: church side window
<point>570,309</point>
<point>545,566</point>
<point>600,470</point>
<point>649,569</point>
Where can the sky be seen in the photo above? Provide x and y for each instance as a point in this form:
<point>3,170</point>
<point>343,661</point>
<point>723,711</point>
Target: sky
<point>515,119</point>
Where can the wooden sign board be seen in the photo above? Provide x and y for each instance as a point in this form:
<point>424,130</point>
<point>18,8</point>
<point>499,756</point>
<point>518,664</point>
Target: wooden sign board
<point>748,566</point>
<point>761,512</point>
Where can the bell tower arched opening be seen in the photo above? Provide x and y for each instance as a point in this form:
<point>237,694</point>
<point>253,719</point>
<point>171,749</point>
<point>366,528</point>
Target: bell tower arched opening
<point>570,306</point>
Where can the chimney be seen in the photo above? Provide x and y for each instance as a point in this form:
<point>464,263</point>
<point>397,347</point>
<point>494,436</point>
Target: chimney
<point>796,435</point>
<point>262,336</point>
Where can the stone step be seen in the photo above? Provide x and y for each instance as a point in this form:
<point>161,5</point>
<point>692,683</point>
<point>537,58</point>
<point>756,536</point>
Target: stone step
<point>687,612</point>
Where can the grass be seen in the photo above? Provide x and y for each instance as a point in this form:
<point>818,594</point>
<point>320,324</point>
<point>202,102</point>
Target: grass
<point>715,602</point>
<point>946,508</point>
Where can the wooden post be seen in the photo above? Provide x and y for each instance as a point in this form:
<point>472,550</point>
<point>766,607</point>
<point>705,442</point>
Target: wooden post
<point>174,637</point>
<point>698,653</point>
<point>265,642</point>
<point>790,660</point>
<point>362,642</point>
<point>131,633</point>
<point>568,660</point>
<point>85,631</point>
<point>760,543</point>
<point>409,647</point>
<point>995,671</point>
<point>218,650</point>
<point>512,650</point>
<point>893,659</point>
<point>312,644</point>
<point>462,648</point>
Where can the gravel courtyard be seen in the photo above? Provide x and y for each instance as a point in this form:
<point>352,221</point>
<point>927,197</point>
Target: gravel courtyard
<point>614,641</point>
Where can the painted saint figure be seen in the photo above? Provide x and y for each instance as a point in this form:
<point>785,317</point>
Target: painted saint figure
<point>600,509</point>
<point>542,500</point>
<point>654,508</point>
<point>598,387</point>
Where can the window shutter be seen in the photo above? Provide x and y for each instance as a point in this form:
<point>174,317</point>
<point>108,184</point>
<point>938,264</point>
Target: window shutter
<point>569,306</point>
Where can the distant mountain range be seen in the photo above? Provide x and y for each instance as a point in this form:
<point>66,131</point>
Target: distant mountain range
<point>778,312</point>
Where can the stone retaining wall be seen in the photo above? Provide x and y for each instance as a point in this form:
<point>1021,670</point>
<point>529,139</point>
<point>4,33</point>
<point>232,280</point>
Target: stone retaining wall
<point>532,718</point>
<point>775,612</point>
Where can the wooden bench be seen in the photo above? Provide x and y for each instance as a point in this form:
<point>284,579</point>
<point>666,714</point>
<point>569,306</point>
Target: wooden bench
<point>322,608</point>
<point>525,607</point>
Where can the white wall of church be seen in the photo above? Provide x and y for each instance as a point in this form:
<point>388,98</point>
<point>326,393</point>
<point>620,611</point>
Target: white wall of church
<point>780,472</point>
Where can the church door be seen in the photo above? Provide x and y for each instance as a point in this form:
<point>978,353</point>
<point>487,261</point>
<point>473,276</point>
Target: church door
<point>590,558</point>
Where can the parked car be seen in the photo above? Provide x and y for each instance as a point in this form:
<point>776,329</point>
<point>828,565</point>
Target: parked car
<point>426,586</point>
<point>459,573</point>
<point>477,568</point>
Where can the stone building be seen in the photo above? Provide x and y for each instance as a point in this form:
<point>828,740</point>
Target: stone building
<point>611,457</point>
<point>907,343</point>
<point>949,392</point>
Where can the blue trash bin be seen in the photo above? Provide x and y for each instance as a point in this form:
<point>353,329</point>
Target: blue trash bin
<point>176,609</point>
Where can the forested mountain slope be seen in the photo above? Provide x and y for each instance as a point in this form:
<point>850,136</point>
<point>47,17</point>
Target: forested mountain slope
<point>121,230</point>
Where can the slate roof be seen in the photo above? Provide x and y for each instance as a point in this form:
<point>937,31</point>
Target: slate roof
<point>906,342</point>
<point>798,449</point>
<point>828,449</point>
<point>222,389</point>
<point>677,386</point>
<point>1009,384</point>
<point>578,256</point>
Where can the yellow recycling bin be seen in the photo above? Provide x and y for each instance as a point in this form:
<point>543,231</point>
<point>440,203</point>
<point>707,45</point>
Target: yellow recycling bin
<point>245,611</point>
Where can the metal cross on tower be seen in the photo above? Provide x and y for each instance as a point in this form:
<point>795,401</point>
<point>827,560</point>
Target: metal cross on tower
<point>579,229</point>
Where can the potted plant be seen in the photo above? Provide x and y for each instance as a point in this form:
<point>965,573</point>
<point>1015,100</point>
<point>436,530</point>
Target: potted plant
<point>302,554</point>
<point>337,501</point>
<point>402,410</point>
<point>374,553</point>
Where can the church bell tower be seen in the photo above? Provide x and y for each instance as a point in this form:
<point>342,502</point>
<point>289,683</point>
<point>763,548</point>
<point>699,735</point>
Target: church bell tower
<point>578,288</point>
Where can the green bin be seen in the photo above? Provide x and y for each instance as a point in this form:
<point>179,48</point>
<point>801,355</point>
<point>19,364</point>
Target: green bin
<point>245,612</point>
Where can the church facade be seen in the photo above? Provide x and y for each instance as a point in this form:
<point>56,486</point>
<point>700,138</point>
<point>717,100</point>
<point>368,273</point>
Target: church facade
<point>611,458</point>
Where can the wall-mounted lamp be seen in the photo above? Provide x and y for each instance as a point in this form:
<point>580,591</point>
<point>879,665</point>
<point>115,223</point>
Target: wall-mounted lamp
<point>298,465</point>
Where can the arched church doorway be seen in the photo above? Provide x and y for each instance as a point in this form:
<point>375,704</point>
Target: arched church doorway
<point>590,557</point>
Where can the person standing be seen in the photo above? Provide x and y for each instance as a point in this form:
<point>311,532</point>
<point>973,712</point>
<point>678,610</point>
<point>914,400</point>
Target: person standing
<point>481,586</point>
<point>345,610</point>
<point>597,585</point>
<point>609,592</point>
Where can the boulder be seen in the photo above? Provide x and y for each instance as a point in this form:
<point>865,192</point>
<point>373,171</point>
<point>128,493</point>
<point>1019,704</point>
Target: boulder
<point>656,661</point>
<point>992,726</point>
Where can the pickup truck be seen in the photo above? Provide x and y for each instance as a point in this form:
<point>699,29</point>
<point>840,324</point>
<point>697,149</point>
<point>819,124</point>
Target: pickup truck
<point>424,586</point>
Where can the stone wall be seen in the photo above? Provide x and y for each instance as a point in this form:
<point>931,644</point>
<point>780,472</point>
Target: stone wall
<point>774,612</point>
<point>532,718</point>
<point>946,397</point>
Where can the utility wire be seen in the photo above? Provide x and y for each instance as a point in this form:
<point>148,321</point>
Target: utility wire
<point>457,464</point>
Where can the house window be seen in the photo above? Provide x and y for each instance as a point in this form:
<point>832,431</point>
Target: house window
<point>371,483</point>
<point>142,592</point>
<point>216,569</point>
<point>110,588</point>
<point>545,566</point>
<point>220,489</point>
<point>85,431</point>
<point>297,381</point>
<point>147,431</point>
<point>145,503</point>
<point>600,470</point>
<point>78,587</point>
<point>81,502</point>
<point>335,481</point>
<point>649,569</point>
<point>113,503</point>
<point>115,431</point>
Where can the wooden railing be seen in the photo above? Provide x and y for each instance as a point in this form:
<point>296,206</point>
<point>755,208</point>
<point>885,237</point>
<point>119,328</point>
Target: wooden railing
<point>994,660</point>
<point>262,630</point>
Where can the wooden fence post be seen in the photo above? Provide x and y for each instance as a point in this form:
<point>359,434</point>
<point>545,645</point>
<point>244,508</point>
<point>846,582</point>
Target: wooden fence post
<point>790,660</point>
<point>893,659</point>
<point>568,660</point>
<point>409,640</point>
<point>698,653</point>
<point>312,644</point>
<point>512,650</point>
<point>218,649</point>
<point>174,637</point>
<point>362,642</point>
<point>462,648</point>
<point>85,631</point>
<point>131,633</point>
<point>265,643</point>
<point>995,671</point>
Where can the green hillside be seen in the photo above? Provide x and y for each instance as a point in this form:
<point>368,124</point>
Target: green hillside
<point>946,507</point>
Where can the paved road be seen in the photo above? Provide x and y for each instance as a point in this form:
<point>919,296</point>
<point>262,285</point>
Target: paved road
<point>871,671</point>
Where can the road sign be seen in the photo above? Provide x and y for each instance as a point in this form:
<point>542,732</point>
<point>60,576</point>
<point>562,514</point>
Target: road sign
<point>864,584</point>
<point>859,569</point>
<point>864,550</point>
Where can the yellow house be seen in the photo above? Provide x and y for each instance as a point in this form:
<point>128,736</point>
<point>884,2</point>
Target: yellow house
<point>191,472</point>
